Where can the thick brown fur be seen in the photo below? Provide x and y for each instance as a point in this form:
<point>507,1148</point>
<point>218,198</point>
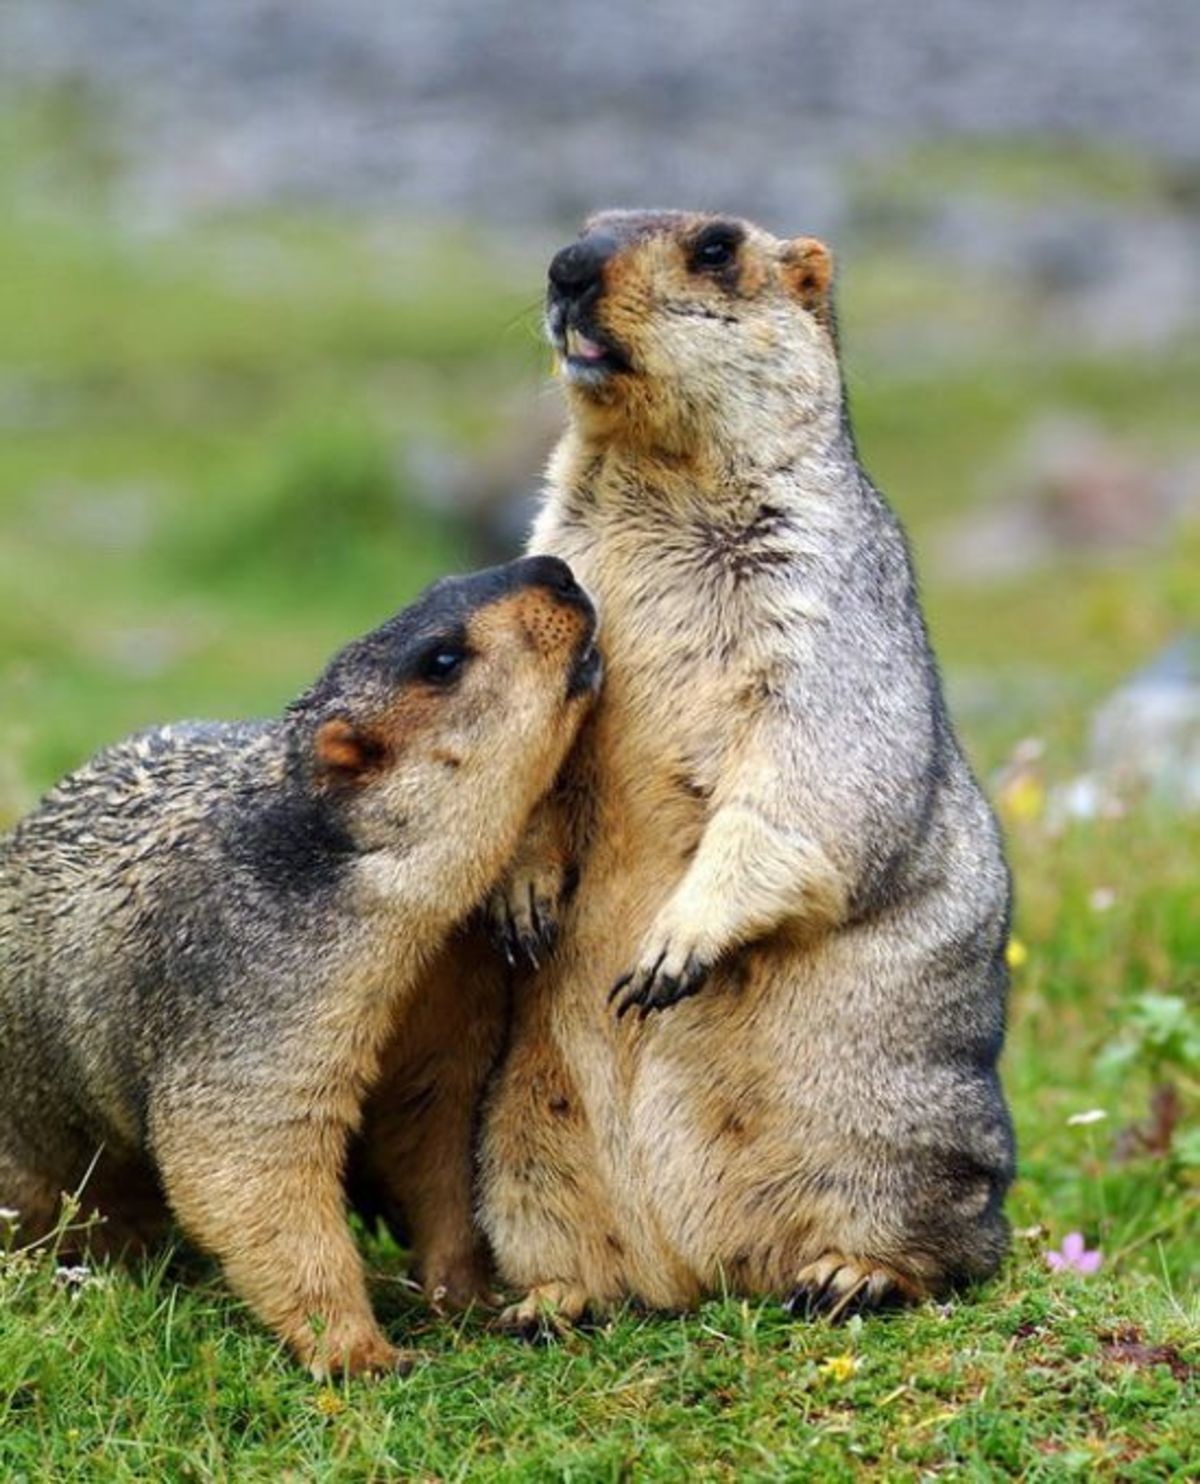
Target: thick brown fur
<point>786,869</point>
<point>217,940</point>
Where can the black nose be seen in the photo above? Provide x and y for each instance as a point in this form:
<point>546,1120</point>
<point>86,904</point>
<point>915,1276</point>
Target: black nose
<point>549,572</point>
<point>579,268</point>
<point>556,577</point>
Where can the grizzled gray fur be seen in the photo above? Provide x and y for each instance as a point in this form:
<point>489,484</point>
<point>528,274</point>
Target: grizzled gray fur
<point>211,936</point>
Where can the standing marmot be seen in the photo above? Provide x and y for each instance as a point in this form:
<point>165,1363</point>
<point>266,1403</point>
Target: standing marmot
<point>771,816</point>
<point>209,933</point>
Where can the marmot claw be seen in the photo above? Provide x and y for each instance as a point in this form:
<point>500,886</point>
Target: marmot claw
<point>654,986</point>
<point>522,917</point>
<point>547,1312</point>
<point>836,1288</point>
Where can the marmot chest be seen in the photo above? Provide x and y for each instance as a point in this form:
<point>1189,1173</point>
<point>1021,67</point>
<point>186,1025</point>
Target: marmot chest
<point>688,639</point>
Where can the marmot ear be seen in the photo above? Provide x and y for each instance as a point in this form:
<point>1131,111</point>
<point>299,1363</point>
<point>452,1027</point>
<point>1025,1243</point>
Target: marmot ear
<point>808,271</point>
<point>344,750</point>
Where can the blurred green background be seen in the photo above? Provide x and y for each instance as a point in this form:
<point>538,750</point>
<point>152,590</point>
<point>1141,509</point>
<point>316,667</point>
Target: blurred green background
<point>215,439</point>
<point>236,430</point>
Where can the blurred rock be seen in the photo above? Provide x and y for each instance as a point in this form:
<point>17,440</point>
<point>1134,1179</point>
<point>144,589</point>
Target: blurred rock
<point>991,543</point>
<point>1101,274</point>
<point>1093,492</point>
<point>31,403</point>
<point>536,109</point>
<point>1145,739</point>
<point>528,114</point>
<point>149,651</point>
<point>1074,489</point>
<point>1084,797</point>
<point>121,517</point>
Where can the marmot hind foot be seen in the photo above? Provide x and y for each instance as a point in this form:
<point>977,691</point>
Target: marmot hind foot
<point>836,1287</point>
<point>548,1311</point>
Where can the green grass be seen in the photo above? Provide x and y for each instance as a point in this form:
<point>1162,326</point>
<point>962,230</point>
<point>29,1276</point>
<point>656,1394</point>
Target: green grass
<point>150,1377</point>
<point>203,491</point>
<point>1026,168</point>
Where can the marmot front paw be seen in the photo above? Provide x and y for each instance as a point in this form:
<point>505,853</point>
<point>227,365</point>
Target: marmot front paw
<point>671,970</point>
<point>367,1354</point>
<point>523,912</point>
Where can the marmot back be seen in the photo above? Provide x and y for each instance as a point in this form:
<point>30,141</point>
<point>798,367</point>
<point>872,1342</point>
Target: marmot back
<point>210,937</point>
<point>772,822</point>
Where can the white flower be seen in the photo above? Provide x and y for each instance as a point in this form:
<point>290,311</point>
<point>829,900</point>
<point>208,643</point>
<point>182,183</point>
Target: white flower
<point>73,1277</point>
<point>1093,1115</point>
<point>1102,899</point>
<point>8,1213</point>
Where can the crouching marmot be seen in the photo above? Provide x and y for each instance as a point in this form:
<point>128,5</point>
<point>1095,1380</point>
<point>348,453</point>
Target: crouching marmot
<point>773,823</point>
<point>210,933</point>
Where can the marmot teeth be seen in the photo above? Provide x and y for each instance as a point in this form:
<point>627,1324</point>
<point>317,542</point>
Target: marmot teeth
<point>579,345</point>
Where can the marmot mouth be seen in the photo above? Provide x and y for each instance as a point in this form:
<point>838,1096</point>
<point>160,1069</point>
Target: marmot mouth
<point>588,356</point>
<point>587,671</point>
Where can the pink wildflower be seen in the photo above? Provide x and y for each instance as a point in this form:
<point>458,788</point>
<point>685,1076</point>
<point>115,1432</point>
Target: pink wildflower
<point>1074,1257</point>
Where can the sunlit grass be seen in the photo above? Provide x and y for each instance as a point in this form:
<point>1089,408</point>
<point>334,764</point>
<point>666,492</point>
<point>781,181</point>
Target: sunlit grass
<point>141,1376</point>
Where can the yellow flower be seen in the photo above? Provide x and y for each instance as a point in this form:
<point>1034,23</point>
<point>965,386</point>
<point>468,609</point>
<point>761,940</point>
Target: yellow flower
<point>1016,954</point>
<point>329,1403</point>
<point>839,1368</point>
<point>1022,796</point>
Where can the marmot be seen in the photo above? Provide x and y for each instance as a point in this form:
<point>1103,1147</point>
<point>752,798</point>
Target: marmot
<point>210,932</point>
<point>772,821</point>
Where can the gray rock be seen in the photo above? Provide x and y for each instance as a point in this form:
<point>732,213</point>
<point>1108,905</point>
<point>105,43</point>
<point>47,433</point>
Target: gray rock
<point>1072,489</point>
<point>1145,739</point>
<point>532,112</point>
<point>534,108</point>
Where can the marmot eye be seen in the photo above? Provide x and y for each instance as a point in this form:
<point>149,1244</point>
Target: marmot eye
<point>443,663</point>
<point>716,247</point>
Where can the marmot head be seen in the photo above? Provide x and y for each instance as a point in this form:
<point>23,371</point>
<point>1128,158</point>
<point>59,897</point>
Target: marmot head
<point>437,733</point>
<point>669,324</point>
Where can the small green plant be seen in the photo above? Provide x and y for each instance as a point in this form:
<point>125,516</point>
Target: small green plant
<point>1162,1037</point>
<point>1162,1040</point>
